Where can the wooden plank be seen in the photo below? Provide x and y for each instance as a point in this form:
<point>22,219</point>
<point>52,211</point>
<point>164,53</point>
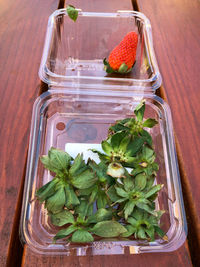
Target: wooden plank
<point>176,34</point>
<point>23,26</point>
<point>180,257</point>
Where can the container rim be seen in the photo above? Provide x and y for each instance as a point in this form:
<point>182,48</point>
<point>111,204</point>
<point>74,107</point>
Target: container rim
<point>53,79</point>
<point>178,206</point>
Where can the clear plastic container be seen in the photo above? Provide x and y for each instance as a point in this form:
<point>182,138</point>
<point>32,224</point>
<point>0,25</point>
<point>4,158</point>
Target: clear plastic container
<point>74,51</point>
<point>60,117</point>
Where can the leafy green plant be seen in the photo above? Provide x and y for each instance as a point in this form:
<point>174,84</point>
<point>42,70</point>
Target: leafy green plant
<point>145,162</point>
<point>135,126</point>
<point>143,225</point>
<point>82,227</point>
<point>115,197</point>
<point>69,176</point>
<point>134,194</point>
<point>120,147</point>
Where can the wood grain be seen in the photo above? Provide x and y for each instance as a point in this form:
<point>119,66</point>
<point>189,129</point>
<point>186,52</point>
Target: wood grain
<point>22,32</point>
<point>177,47</point>
<point>176,34</point>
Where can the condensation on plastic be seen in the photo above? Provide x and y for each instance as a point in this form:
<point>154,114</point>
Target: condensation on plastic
<point>61,117</point>
<point>74,51</point>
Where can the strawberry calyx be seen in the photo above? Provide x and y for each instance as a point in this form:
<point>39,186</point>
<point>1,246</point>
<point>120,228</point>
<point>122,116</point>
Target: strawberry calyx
<point>122,69</point>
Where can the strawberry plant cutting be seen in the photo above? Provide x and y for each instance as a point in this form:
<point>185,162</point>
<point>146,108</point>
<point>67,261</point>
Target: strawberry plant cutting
<point>113,198</point>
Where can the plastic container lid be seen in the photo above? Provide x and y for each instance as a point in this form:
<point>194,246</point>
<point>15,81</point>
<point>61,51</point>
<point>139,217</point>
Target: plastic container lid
<point>74,51</point>
<point>60,118</point>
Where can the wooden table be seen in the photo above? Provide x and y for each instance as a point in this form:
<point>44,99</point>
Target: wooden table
<point>176,34</point>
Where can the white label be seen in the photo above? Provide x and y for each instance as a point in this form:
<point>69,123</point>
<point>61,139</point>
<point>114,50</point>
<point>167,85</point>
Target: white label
<point>73,149</point>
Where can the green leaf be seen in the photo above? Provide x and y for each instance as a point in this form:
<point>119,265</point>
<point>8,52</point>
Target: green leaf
<point>78,166</point>
<point>82,236</point>
<point>137,171</point>
<point>159,231</point>
<point>107,66</point>
<point>118,128</point>
<point>86,191</point>
<point>152,205</point>
<point>145,207</point>
<point>90,210</point>
<point>101,215</point>
<point>71,198</point>
<point>147,137</point>
<point>96,168</point>
<point>147,152</point>
<point>100,171</point>
<point>105,62</point>
<point>128,184</point>
<point>128,208</point>
<point>120,200</point>
<point>47,190</point>
<point>108,69</point>
<point>102,200</point>
<point>139,111</point>
<point>141,234</point>
<point>140,181</point>
<point>149,123</point>
<point>130,230</point>
<point>124,121</point>
<point>112,193</point>
<point>121,192</point>
<point>129,162</point>
<point>155,166</point>
<point>56,202</point>
<point>150,182</point>
<point>102,157</point>
<point>132,221</point>
<point>82,209</point>
<point>137,215</point>
<point>72,12</point>
<point>108,229</point>
<point>93,195</point>
<point>150,232</point>
<point>116,140</point>
<point>47,163</point>
<point>59,159</point>
<point>131,124</point>
<point>106,147</point>
<point>123,68</point>
<point>153,197</point>
<point>65,232</point>
<point>135,145</point>
<point>124,143</point>
<point>62,218</point>
<point>153,190</point>
<point>84,180</point>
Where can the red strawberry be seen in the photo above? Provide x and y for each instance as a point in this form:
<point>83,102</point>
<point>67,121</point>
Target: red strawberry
<point>122,57</point>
